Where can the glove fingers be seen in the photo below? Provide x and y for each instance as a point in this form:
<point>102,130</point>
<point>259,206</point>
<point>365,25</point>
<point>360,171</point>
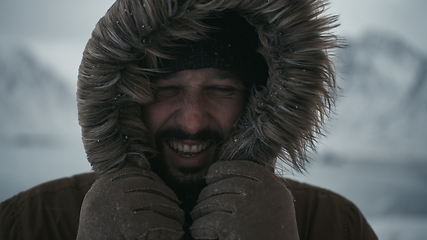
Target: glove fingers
<point>207,227</point>
<point>157,227</point>
<point>161,233</point>
<point>204,233</point>
<point>229,186</point>
<point>147,203</point>
<point>149,187</point>
<point>244,169</point>
<point>130,203</point>
<point>211,205</point>
<point>127,171</point>
<point>137,180</point>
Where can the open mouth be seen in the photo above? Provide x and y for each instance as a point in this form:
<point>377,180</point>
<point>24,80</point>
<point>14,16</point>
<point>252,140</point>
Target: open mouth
<point>188,149</point>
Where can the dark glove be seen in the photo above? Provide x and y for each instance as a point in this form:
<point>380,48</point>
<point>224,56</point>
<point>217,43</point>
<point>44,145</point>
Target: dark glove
<point>243,200</point>
<point>131,203</point>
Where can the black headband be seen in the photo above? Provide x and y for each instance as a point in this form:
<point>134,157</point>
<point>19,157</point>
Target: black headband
<point>231,46</point>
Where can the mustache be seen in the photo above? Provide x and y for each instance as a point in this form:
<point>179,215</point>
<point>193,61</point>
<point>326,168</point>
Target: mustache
<point>179,134</point>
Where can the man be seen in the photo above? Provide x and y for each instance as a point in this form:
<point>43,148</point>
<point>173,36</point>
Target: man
<point>185,108</point>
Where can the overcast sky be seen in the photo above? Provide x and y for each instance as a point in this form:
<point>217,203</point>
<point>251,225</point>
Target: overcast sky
<point>57,30</point>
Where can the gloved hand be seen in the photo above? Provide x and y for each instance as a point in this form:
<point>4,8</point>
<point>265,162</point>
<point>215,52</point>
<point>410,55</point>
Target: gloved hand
<point>243,200</point>
<point>130,203</point>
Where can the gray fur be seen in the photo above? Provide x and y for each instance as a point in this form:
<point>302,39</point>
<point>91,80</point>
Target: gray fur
<point>281,120</point>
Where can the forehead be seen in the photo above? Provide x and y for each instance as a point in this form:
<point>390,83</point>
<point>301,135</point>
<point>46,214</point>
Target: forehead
<point>204,76</point>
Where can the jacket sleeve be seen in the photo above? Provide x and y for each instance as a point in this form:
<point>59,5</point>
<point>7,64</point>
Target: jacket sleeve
<point>322,214</point>
<point>48,211</point>
<point>357,227</point>
<point>9,228</point>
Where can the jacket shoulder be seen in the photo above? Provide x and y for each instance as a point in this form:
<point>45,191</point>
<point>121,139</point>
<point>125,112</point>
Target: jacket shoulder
<point>323,214</point>
<point>47,211</point>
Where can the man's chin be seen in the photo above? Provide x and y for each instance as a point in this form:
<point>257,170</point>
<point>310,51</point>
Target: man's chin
<point>187,186</point>
<point>177,176</point>
<point>188,171</point>
<point>184,175</point>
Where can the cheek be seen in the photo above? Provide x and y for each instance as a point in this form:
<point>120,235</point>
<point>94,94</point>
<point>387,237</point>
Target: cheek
<point>154,116</point>
<point>227,114</point>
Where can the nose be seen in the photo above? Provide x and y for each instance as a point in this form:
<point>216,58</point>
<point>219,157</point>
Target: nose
<point>193,114</point>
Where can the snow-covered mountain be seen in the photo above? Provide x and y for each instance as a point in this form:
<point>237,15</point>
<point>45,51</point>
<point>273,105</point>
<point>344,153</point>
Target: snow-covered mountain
<point>35,104</point>
<point>39,134</point>
<point>382,110</point>
<point>375,152</point>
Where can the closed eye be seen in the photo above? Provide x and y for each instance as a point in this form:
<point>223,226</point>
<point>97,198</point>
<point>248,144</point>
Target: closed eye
<point>221,91</point>
<point>167,92</point>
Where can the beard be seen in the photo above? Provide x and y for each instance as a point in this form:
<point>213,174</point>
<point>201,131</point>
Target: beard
<point>182,175</point>
<point>187,189</point>
<point>190,181</point>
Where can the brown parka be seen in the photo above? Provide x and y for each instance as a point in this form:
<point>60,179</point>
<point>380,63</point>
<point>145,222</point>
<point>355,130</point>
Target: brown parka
<point>51,212</point>
<point>280,121</point>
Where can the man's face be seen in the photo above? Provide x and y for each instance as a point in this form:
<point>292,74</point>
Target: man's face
<point>194,112</point>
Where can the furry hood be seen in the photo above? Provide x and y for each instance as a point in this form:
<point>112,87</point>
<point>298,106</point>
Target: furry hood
<point>281,119</point>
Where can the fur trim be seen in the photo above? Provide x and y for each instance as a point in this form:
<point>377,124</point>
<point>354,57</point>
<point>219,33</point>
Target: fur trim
<point>282,119</point>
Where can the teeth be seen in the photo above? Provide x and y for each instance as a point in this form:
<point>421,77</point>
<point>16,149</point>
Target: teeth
<point>194,149</point>
<point>185,148</point>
